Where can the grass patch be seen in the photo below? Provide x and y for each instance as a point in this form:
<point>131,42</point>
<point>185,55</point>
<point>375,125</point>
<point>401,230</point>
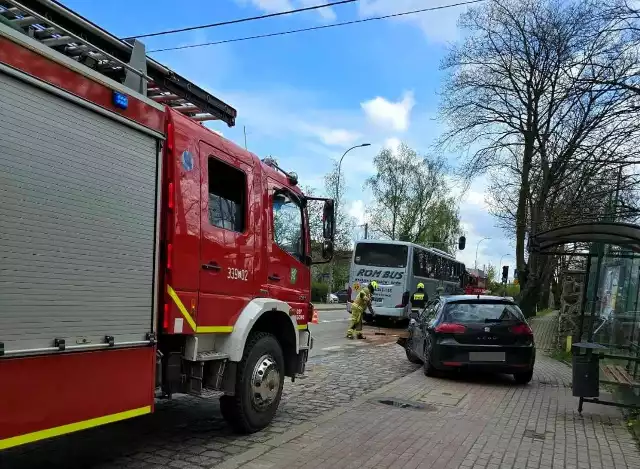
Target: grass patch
<point>544,312</point>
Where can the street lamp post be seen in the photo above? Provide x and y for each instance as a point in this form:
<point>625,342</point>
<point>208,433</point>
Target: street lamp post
<point>503,256</point>
<point>477,246</point>
<point>335,205</point>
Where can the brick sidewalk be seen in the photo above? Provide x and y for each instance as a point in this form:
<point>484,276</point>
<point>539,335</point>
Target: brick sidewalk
<point>463,423</point>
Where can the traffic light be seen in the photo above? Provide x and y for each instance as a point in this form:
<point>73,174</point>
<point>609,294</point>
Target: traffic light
<point>505,273</point>
<point>462,242</point>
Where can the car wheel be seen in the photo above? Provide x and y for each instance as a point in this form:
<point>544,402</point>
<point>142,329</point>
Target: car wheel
<point>412,357</point>
<point>524,377</point>
<point>427,366</point>
<point>258,386</point>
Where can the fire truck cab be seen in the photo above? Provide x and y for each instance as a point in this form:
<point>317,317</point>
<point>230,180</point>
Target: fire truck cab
<point>142,255</point>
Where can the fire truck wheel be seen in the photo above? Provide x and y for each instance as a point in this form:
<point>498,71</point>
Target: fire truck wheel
<point>258,385</point>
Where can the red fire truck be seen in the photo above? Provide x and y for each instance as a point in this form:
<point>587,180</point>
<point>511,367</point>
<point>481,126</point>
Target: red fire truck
<point>141,254</point>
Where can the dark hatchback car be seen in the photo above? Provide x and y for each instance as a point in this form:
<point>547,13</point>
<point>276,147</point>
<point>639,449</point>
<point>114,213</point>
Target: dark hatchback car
<point>343,296</point>
<point>486,333</point>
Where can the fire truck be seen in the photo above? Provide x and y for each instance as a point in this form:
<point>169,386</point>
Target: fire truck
<point>142,255</point>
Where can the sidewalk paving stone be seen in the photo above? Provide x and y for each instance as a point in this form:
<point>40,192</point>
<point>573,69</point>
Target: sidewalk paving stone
<point>486,422</point>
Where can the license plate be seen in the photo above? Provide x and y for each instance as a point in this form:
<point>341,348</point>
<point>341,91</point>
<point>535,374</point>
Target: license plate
<point>486,356</point>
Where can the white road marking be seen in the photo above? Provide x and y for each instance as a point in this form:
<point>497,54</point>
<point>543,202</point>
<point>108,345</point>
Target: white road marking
<point>334,320</point>
<point>333,347</point>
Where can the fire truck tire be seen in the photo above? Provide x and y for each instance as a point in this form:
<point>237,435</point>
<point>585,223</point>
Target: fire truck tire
<point>258,387</point>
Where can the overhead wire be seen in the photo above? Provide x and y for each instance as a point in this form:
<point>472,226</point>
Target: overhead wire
<point>241,20</point>
<point>315,28</point>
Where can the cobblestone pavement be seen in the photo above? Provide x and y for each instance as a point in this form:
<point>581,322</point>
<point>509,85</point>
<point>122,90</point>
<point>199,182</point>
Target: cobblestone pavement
<point>189,432</point>
<point>484,422</point>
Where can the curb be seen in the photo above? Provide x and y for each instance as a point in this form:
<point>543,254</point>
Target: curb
<point>299,430</point>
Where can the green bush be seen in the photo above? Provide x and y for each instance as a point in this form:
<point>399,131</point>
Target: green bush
<point>319,292</point>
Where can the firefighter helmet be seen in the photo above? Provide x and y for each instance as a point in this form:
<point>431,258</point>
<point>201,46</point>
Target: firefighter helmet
<point>373,285</point>
<point>421,286</point>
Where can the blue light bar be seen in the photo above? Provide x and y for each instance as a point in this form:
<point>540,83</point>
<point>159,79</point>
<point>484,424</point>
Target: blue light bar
<point>120,100</point>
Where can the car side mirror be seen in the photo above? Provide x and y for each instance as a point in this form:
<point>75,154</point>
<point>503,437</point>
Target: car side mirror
<point>327,249</point>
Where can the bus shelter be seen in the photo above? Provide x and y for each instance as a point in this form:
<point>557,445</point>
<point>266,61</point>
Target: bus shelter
<point>608,321</point>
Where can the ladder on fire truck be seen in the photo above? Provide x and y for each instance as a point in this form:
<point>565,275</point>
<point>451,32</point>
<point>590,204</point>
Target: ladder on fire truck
<point>57,27</point>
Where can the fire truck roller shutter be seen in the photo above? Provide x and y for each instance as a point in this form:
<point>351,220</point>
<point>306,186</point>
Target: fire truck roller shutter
<point>233,343</point>
<point>77,222</point>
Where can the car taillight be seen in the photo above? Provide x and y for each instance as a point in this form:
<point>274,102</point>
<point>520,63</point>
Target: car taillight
<point>521,329</point>
<point>448,328</point>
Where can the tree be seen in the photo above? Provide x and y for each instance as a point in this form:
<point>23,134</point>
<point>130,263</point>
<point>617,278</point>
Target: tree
<point>412,202</point>
<point>524,96</point>
<point>335,188</point>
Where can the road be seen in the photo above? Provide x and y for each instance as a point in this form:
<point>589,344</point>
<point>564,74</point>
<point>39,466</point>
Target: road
<point>329,334</point>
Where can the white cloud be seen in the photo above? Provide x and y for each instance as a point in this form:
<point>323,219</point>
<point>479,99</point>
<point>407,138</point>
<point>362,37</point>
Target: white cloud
<point>326,13</point>
<point>438,26</point>
<point>276,6</point>
<point>357,211</point>
<point>333,137</point>
<point>393,144</point>
<point>388,114</point>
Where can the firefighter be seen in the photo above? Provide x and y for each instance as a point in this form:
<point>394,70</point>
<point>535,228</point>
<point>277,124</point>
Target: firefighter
<point>419,298</point>
<point>362,302</point>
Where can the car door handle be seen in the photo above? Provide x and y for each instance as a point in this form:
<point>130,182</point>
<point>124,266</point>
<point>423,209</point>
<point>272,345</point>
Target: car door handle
<point>212,266</point>
<point>275,278</point>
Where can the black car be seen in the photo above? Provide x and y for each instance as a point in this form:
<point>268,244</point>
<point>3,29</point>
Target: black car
<point>342,295</point>
<point>486,333</point>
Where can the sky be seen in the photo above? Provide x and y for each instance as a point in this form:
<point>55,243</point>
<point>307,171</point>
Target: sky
<point>305,98</point>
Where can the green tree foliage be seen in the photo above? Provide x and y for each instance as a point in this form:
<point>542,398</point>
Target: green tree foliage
<point>411,199</point>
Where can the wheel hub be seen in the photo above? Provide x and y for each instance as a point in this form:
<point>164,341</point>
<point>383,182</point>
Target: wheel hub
<point>265,382</point>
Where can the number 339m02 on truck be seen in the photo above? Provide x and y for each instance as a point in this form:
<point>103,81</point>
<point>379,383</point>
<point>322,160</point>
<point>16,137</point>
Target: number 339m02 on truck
<point>141,254</point>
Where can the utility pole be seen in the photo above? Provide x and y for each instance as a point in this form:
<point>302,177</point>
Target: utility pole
<point>366,230</point>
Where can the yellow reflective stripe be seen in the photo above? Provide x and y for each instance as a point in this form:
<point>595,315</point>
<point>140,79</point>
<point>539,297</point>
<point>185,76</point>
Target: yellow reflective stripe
<point>174,296</point>
<point>303,327</point>
<point>72,427</point>
<point>209,329</point>
<point>418,296</point>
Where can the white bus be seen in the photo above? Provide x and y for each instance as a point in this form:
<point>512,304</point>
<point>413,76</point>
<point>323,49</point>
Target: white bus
<point>398,267</point>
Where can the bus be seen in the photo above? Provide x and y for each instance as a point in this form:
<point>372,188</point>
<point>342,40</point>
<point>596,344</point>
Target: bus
<point>398,267</point>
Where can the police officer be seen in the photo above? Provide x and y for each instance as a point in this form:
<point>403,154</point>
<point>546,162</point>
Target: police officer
<point>419,298</point>
<point>362,302</point>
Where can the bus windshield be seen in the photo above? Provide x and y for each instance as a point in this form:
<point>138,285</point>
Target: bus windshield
<point>381,255</point>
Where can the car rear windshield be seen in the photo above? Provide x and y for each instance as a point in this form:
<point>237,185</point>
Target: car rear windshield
<point>381,255</point>
<point>470,312</point>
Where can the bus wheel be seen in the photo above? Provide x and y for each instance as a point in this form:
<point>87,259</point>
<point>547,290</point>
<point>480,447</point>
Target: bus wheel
<point>259,384</point>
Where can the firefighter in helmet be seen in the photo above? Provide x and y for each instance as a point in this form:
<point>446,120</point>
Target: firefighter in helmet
<point>419,298</point>
<point>362,302</point>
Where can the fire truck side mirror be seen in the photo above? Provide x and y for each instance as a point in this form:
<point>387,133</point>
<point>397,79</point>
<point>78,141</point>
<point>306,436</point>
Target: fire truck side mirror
<point>328,220</point>
<point>327,249</point>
